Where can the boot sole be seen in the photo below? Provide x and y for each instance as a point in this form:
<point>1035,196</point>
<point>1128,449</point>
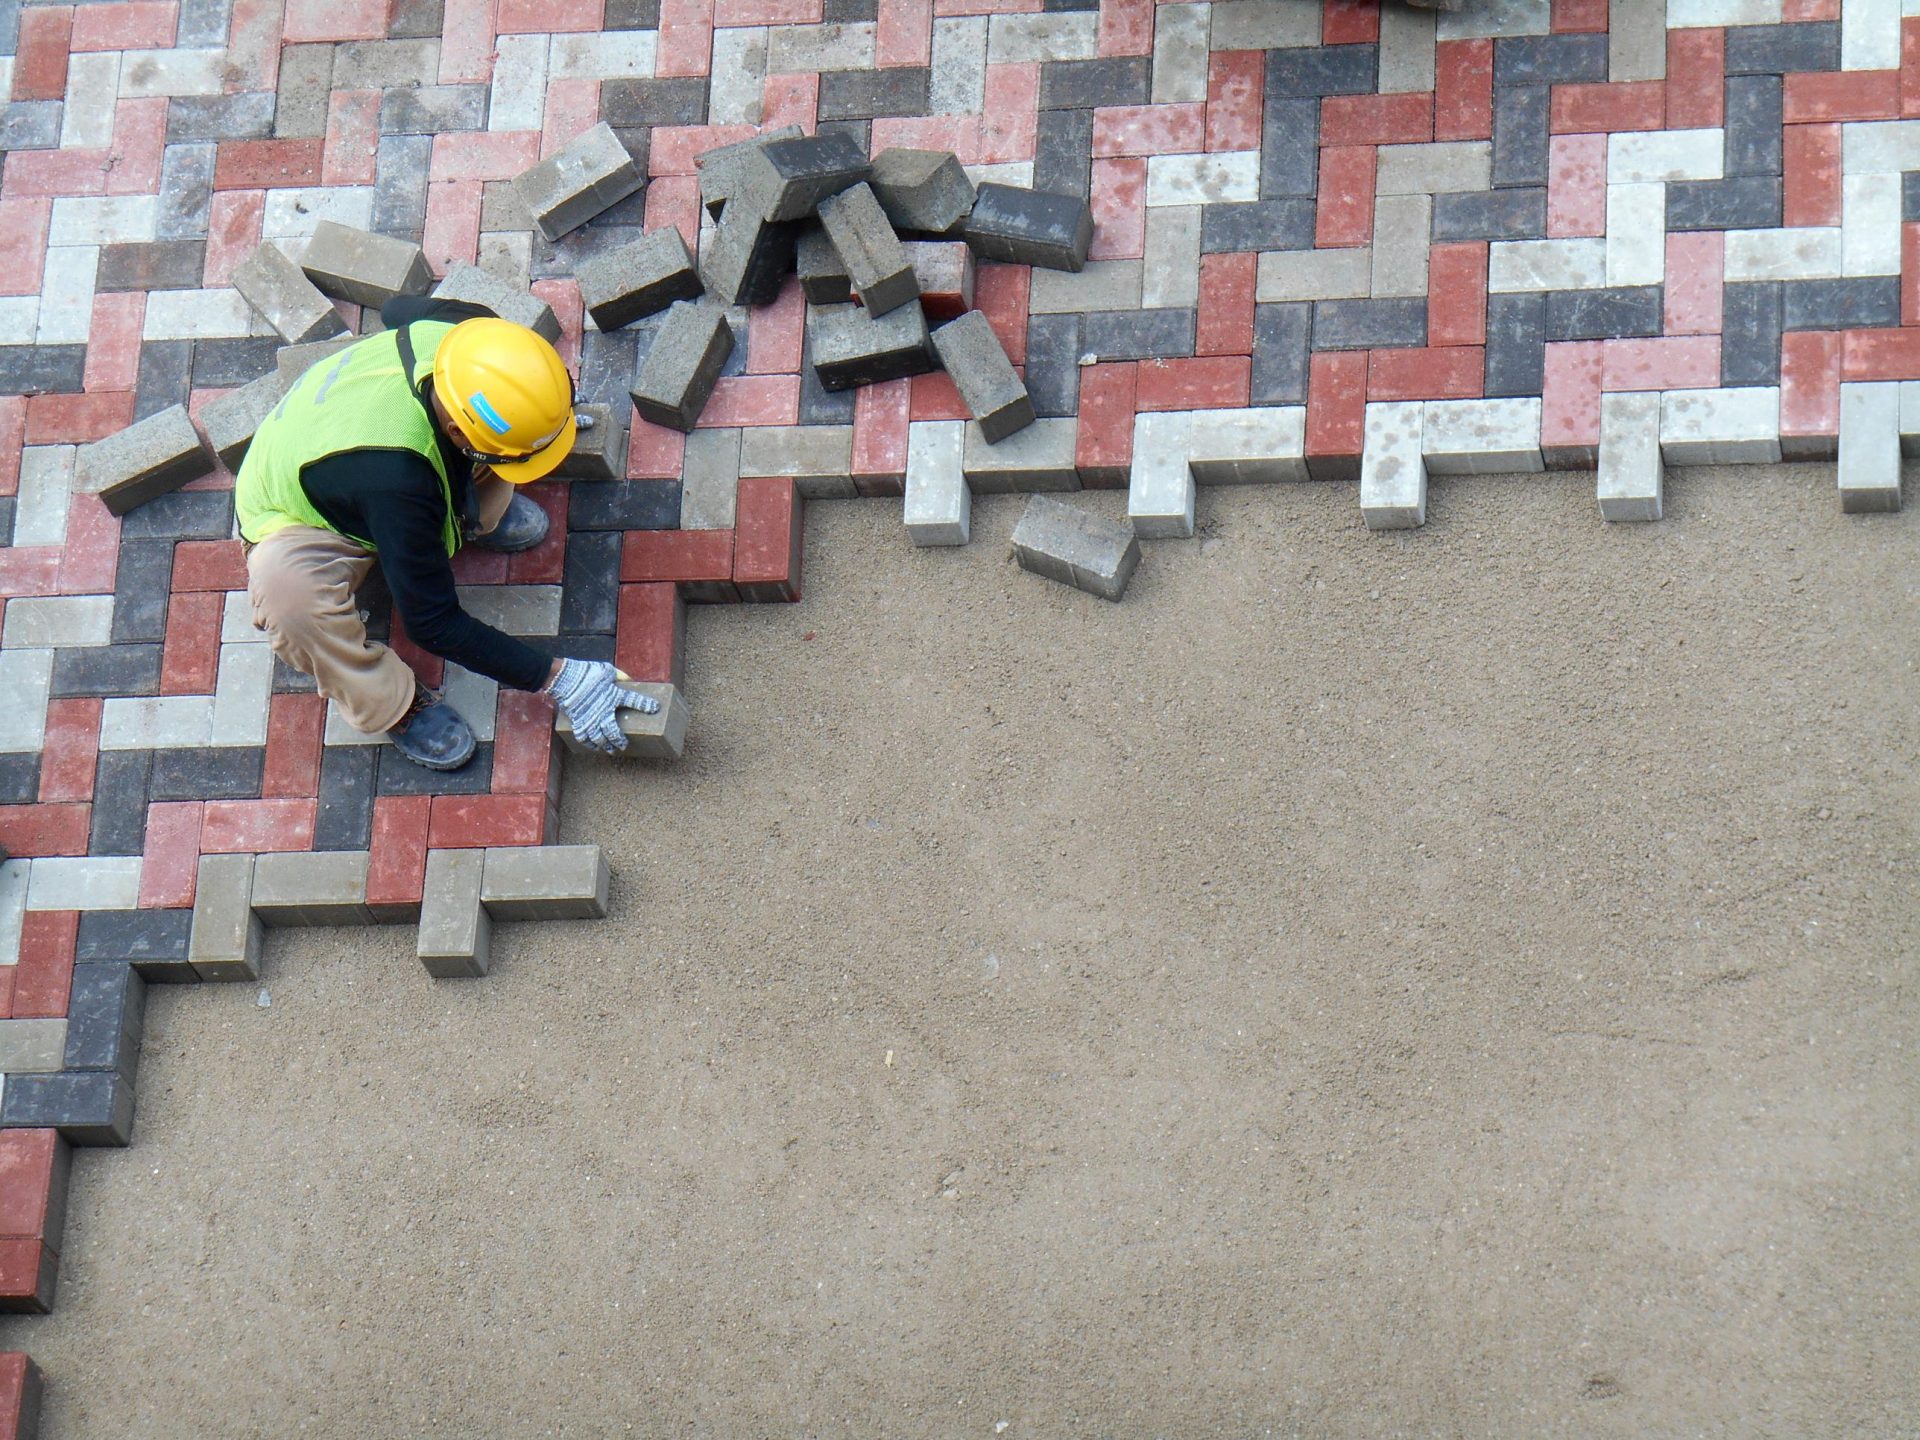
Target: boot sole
<point>440,765</point>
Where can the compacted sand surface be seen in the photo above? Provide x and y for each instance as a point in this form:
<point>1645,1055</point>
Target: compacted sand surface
<point>1450,984</point>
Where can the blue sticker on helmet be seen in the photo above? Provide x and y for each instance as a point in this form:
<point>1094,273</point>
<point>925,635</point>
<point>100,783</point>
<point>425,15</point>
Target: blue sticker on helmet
<point>487,413</point>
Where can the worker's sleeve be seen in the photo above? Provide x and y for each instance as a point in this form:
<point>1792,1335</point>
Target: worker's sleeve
<point>409,309</point>
<point>406,530</point>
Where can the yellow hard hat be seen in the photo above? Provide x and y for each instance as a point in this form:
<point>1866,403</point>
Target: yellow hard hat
<point>510,392</point>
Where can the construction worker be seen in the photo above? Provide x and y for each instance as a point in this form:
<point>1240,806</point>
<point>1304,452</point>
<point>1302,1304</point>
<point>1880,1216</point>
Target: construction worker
<point>399,448</point>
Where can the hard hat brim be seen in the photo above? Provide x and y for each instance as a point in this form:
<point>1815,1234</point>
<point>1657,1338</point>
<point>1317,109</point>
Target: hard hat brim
<point>543,462</point>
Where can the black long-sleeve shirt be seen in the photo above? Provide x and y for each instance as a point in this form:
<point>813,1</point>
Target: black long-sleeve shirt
<point>391,500</point>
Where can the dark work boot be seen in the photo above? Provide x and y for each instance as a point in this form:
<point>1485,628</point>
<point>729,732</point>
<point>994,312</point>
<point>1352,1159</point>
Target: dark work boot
<point>432,733</point>
<point>521,528</point>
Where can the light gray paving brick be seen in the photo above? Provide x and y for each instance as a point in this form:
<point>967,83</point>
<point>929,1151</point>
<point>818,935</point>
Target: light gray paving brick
<point>14,878</point>
<point>599,445</point>
<point>603,55</point>
<point>958,85</point>
<point>230,420</point>
<point>165,722</point>
<point>593,172</point>
<point>66,294</point>
<point>1870,34</point>
<point>1636,234</point>
<point>1262,445</point>
<point>739,80</point>
<point>481,287</point>
<point>84,882</point>
<point>516,99</point>
<point>970,353</point>
<point>1262,25</point>
<point>1406,50</point>
<point>320,887</point>
<point>367,269</point>
<point>545,882</point>
<point>818,457</point>
<point>1160,492</point>
<point>720,168</point>
<point>1445,168</point>
<point>1880,147</point>
<point>1637,41</point>
<point>1180,53</point>
<point>45,495</point>
<point>1910,418</point>
<point>224,941</point>
<point>682,365</point>
<point>1869,469</point>
<point>1512,265</point>
<point>93,84</point>
<point>623,285</point>
<point>1649,156</point>
<point>1102,285</point>
<point>1738,426</point>
<point>710,479</point>
<point>1170,260</point>
<point>384,64</point>
<point>837,45</point>
<point>1870,225</point>
<point>285,298</point>
<point>517,609</point>
<point>1797,253</point>
<point>241,696</point>
<point>152,457</point>
<point>298,212</point>
<point>456,933</point>
<point>1039,457</point>
<point>199,315</point>
<point>938,509</point>
<point>293,361</point>
<point>659,736</point>
<point>509,259</point>
<point>48,622</point>
<point>1072,545</point>
<point>148,73</point>
<point>32,1047</point>
<point>1061,35</point>
<point>1486,19</point>
<point>849,347</point>
<point>102,219</point>
<point>305,84</point>
<point>1482,437</point>
<point>1313,275</point>
<point>1402,237</point>
<point>1632,478</point>
<point>1393,476</point>
<point>1210,179</point>
<point>877,264</point>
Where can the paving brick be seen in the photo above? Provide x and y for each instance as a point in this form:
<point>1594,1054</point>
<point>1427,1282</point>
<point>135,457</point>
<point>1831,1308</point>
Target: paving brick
<point>767,540</point>
<point>590,175</point>
<point>151,458</point>
<point>1136,334</point>
<point>1720,427</point>
<point>1289,153</point>
<point>1040,457</point>
<point>151,265</point>
<point>1361,324</point>
<point>226,936</point>
<point>106,1015</point>
<point>545,882</point>
<point>1869,468</point>
<point>638,279</point>
<point>1520,135</point>
<point>1632,474</point>
<point>32,1047</point>
<point>599,447</point>
<point>661,735</point>
<point>878,267</point>
<point>154,942</point>
<point>938,508</point>
<point>456,933</point>
<point>1160,490</point>
<point>319,888</point>
<point>850,346</point>
<point>783,180</point>
<point>1319,71</point>
<point>1258,446</point>
<point>367,269</point>
<point>1393,474</point>
<point>676,378</point>
<point>87,1107</point>
<point>476,286</point>
<point>1066,543</point>
<point>285,298</point>
<point>1481,437</point>
<point>747,258</point>
<point>231,420</point>
<point>1030,227</point>
<point>994,395</point>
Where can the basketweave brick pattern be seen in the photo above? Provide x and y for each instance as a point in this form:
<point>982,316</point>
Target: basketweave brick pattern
<point>1335,239</point>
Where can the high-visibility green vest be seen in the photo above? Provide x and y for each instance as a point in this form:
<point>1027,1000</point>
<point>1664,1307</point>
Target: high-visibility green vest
<point>358,399</point>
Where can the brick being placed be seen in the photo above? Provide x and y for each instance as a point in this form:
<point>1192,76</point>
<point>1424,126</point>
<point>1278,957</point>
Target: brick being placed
<point>225,941</point>
<point>818,458</point>
<point>720,167</point>
<point>823,275</point>
<point>623,285</point>
<point>926,192</point>
<point>545,882</point>
<point>321,887</point>
<point>945,272</point>
<point>689,350</point>
<point>787,179</point>
<point>1067,543</point>
<point>1039,457</point>
<point>230,420</point>
<point>1393,474</point>
<point>938,509</point>
<point>747,258</point>
<point>1632,477</point>
<point>455,938</point>
<point>1263,445</point>
<point>877,265</point>
<point>592,173</point>
<point>659,736</point>
<point>853,347</point>
<point>1869,469</point>
<point>1160,492</point>
<point>971,354</point>
<point>285,298</point>
<point>150,458</point>
<point>367,269</point>
<point>477,286</point>
<point>1030,227</point>
<point>599,446</point>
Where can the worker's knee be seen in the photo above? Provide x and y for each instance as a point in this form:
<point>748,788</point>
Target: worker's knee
<point>294,603</point>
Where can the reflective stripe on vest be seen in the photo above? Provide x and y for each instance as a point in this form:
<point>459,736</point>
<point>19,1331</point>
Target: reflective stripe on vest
<point>359,399</point>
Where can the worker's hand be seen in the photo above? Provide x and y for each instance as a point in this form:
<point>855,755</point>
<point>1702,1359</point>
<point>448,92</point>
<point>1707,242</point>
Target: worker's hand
<point>590,695</point>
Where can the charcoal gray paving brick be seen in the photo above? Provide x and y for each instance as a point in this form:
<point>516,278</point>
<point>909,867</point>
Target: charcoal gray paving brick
<point>1516,344</point>
<point>570,252</point>
<point>362,267</point>
<point>417,19</point>
<point>119,820</point>
<point>1289,148</point>
<point>841,12</point>
<point>672,384</point>
<point>676,101</point>
<point>638,279</point>
<point>284,297</point>
<point>87,1107</point>
<point>747,258</point>
<point>233,361</point>
<point>1280,224</point>
<point>1750,325</point>
<point>344,818</point>
<point>482,287</point>
<point>1753,125</point>
<point>154,942</point>
<point>1549,59</point>
<point>106,1013</point>
<point>1739,202</point>
<point>1064,542</point>
<point>1361,324</point>
<point>433,109</point>
<point>1281,335</point>
<point>823,277</point>
<point>1052,370</point>
<point>1910,195</point>
<point>188,515</point>
<point>1614,313</point>
<point>1030,227</point>
<point>786,179</point>
<point>590,174</point>
<point>1872,300</point>
<point>203,24</point>
<point>925,192</point>
<point>289,681</point>
<point>19,778</point>
<point>106,670</point>
<point>623,505</point>
<point>1323,70</point>
<point>852,347</point>
<point>1063,152</point>
<point>1516,214</point>
<point>1136,334</point>
<point>632,15</point>
<point>186,190</point>
<point>394,774</point>
<point>231,419</point>
<point>819,405</point>
<point>247,115</point>
<point>877,264</point>
<point>151,265</point>
<point>721,168</point>
<point>30,125</point>
<point>1085,84</point>
<point>1520,141</point>
<point>600,448</point>
<point>148,458</point>
<point>42,369</point>
<point>400,183</point>
<point>1782,49</point>
<point>864,94</point>
<point>306,85</point>
<point>228,773</point>
<point>140,588</point>
<point>970,353</point>
<point>165,376</point>
<point>590,590</point>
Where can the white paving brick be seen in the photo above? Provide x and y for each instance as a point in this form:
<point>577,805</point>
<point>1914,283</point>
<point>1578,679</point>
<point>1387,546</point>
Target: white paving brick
<point>172,72</point>
<point>84,882</point>
<point>1699,14</point>
<point>1869,470</point>
<point>1170,262</point>
<point>1481,437</point>
<point>1263,445</point>
<point>1313,274</point>
<point>51,622</point>
<point>735,93</point>
<point>608,55</point>
<point>476,698</point>
<point>1870,225</point>
<point>1180,52</point>
<point>518,97</point>
<point>1546,265</point>
<point>959,80</point>
<point>1160,485</point>
<point>1910,409</point>
<point>1632,477</point>
<point>1485,19</point>
<point>1393,476</point>
<point>294,212</point>
<point>1880,147</point>
<point>938,509</point>
<point>26,677</point>
<point>516,609</point>
<point>196,315</point>
<point>1203,179</point>
<point>19,319</point>
<point>236,621</point>
<point>241,696</point>
<point>1799,253</point>
<point>102,219</point>
<point>1870,35</point>
<point>167,722</point>
<point>1005,172</point>
<point>1436,169</point>
<point>338,732</point>
<point>86,120</point>
<point>46,488</point>
<point>802,49</point>
<point>66,294</point>
<point>1720,427</point>
<point>1645,156</point>
<point>1636,234</point>
<point>1063,35</point>
<point>15,876</point>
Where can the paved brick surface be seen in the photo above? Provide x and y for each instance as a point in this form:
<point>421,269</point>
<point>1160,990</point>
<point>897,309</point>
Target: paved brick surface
<point>1521,234</point>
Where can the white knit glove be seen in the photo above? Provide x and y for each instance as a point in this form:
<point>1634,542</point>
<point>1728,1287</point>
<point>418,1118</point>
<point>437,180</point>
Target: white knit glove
<point>590,695</point>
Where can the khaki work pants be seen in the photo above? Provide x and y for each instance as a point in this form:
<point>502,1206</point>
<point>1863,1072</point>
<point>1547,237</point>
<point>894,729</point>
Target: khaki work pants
<point>302,583</point>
